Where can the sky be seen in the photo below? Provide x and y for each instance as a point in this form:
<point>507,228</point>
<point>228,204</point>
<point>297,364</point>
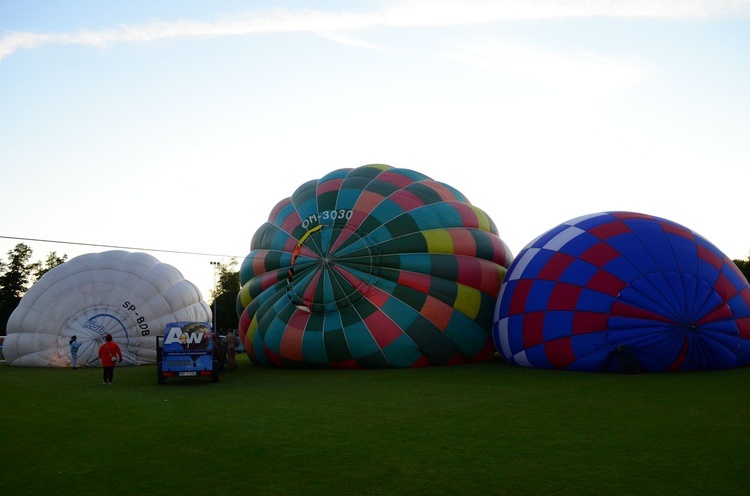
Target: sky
<point>174,127</point>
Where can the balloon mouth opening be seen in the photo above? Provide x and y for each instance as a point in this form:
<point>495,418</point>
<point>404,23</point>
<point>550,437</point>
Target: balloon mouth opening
<point>91,326</point>
<point>333,268</point>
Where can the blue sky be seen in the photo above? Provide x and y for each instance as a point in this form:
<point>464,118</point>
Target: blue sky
<point>178,125</point>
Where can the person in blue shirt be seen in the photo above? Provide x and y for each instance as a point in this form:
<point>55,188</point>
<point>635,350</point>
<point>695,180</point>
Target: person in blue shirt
<point>74,345</point>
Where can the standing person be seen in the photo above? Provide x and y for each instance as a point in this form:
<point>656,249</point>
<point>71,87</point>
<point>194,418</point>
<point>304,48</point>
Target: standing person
<point>74,345</point>
<point>232,341</point>
<point>109,353</point>
<point>219,353</point>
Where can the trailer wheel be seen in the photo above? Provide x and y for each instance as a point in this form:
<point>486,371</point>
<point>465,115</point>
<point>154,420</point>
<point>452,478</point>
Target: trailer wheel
<point>159,375</point>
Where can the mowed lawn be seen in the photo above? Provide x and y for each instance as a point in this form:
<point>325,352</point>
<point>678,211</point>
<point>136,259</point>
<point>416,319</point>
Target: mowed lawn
<point>487,428</point>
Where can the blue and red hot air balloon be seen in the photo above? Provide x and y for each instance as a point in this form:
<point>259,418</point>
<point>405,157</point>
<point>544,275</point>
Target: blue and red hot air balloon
<point>593,286</point>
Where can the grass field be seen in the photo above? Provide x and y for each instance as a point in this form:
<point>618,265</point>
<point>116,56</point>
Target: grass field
<point>487,428</point>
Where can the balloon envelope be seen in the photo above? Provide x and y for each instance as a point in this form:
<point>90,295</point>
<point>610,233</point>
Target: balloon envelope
<point>131,296</point>
<point>372,267</point>
<point>589,285</point>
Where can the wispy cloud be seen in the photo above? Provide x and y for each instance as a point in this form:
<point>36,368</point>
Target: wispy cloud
<point>329,24</point>
<point>417,13</point>
<point>579,74</point>
<point>451,12</point>
<point>344,39</point>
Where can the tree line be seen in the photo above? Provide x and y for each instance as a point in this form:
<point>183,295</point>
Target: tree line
<point>224,298</point>
<point>19,273</point>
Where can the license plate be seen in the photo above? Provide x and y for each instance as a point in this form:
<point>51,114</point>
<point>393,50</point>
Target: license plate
<point>187,374</point>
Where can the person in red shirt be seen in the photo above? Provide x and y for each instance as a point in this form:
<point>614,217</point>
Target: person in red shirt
<point>109,352</point>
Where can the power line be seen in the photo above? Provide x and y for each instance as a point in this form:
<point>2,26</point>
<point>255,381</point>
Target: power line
<point>121,247</point>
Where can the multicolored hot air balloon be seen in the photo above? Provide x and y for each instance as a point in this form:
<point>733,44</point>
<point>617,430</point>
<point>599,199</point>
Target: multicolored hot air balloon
<point>599,291</point>
<point>373,267</point>
<point>129,295</point>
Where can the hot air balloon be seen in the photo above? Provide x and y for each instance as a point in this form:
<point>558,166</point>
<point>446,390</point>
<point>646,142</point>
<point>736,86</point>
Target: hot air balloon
<point>622,289</point>
<point>371,267</point>
<point>131,296</point>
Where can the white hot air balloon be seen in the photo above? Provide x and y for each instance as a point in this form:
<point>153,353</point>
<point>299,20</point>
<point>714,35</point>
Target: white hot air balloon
<point>130,295</point>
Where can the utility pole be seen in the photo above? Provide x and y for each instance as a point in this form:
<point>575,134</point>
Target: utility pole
<point>217,266</point>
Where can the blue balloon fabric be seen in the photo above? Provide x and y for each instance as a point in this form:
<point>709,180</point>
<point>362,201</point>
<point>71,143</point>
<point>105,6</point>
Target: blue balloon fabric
<point>586,290</point>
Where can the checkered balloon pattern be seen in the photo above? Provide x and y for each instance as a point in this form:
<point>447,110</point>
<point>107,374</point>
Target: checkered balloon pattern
<point>583,290</point>
<point>372,267</point>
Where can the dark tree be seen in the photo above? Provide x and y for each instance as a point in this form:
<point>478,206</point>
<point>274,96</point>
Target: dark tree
<point>14,281</point>
<point>744,266</point>
<point>17,274</point>
<point>52,261</point>
<point>224,302</point>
